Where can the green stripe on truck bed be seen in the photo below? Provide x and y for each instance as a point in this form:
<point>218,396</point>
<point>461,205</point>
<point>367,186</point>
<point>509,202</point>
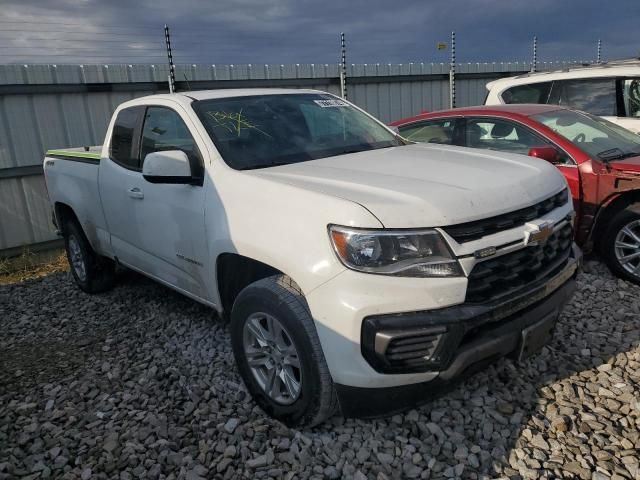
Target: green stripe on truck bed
<point>74,154</point>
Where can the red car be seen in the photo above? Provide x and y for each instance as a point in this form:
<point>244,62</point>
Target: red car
<point>600,160</point>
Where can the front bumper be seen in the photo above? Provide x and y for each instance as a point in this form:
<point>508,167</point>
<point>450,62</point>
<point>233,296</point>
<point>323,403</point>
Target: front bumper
<point>470,337</point>
<point>427,341</point>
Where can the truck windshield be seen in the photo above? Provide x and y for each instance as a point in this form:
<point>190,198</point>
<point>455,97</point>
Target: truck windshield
<point>599,138</point>
<point>267,130</point>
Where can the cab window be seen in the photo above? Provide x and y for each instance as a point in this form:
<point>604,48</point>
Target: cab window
<point>595,96</point>
<point>433,131</point>
<point>504,136</point>
<point>165,130</point>
<point>123,148</point>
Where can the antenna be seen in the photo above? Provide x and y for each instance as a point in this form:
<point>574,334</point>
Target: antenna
<point>186,80</point>
<point>452,72</point>
<point>343,68</point>
<point>172,68</point>
<point>599,58</point>
<point>534,64</point>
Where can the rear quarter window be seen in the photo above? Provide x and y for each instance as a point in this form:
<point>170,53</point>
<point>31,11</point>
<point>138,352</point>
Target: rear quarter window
<point>123,148</point>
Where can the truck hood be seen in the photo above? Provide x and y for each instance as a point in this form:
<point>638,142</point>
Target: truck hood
<point>423,185</point>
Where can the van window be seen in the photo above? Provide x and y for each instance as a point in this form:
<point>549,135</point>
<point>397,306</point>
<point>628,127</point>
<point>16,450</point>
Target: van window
<point>595,96</point>
<point>631,95</point>
<point>532,93</point>
<point>123,145</point>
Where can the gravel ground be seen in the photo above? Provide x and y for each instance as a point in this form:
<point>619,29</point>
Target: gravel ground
<point>140,383</point>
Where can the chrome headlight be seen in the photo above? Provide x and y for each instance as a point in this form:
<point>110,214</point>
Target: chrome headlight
<point>404,253</point>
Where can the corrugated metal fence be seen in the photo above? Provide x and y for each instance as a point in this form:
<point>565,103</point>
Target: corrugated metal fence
<point>57,106</point>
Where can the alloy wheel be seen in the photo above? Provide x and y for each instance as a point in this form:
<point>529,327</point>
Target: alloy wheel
<point>627,247</point>
<point>272,357</point>
<point>76,258</point>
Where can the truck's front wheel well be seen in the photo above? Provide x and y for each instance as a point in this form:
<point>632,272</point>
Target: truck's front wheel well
<point>608,212</point>
<point>63,213</point>
<point>234,272</point>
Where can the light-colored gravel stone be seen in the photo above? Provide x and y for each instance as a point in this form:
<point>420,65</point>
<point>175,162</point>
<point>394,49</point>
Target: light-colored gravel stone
<point>140,382</point>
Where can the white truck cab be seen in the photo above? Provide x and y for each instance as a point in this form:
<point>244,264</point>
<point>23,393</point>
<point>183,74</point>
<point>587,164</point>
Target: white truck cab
<point>351,264</point>
<point>610,90</point>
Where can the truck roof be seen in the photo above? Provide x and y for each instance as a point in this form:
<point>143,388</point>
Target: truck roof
<point>227,93</point>
<point>243,92</point>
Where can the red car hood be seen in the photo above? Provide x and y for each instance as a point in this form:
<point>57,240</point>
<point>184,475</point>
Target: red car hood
<point>631,164</point>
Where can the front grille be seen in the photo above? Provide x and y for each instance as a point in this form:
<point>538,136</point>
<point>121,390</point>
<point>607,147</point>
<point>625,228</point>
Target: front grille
<point>508,273</point>
<point>411,351</point>
<point>465,232</point>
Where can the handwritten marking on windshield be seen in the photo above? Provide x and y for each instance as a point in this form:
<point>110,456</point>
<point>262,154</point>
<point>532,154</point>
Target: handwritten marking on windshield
<point>234,122</point>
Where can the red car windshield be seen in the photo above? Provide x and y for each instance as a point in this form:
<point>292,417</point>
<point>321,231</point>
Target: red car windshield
<point>596,136</point>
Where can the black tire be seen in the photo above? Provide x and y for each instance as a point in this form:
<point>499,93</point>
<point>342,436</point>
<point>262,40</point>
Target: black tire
<point>281,298</point>
<point>99,272</point>
<point>625,218</point>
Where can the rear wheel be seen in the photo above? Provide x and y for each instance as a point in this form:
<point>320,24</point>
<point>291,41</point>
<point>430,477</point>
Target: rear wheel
<point>278,353</point>
<point>621,244</point>
<point>93,273</point>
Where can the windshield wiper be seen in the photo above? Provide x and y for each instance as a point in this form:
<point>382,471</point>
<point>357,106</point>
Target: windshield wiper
<point>615,154</point>
<point>611,154</point>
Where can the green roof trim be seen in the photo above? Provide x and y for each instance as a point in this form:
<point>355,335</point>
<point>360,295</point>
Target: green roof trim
<point>74,153</point>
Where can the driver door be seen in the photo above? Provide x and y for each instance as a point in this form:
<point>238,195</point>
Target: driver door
<point>158,228</point>
<point>171,216</point>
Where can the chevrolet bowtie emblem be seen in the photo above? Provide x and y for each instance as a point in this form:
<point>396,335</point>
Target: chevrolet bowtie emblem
<point>537,233</point>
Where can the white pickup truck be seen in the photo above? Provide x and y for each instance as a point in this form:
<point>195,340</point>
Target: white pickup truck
<point>356,270</point>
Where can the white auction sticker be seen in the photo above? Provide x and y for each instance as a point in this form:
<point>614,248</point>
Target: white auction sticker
<point>331,103</point>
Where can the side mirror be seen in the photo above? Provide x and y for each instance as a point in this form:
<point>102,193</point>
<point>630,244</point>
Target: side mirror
<point>168,166</point>
<point>550,154</point>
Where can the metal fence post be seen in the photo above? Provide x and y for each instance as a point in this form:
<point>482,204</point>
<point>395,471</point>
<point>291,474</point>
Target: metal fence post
<point>172,71</point>
<point>343,67</point>
<point>452,72</point>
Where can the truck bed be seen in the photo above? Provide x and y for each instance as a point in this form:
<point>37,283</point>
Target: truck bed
<point>79,153</point>
<point>72,179</point>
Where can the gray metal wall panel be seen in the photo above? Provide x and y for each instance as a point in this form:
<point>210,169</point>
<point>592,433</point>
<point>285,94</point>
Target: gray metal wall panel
<point>15,221</point>
<point>48,120</point>
<point>25,215</point>
<point>38,208</point>
<point>23,134</point>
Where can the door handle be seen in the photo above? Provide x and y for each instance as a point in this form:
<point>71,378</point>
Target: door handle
<point>135,192</point>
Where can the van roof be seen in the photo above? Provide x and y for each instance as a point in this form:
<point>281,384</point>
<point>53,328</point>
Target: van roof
<point>616,68</point>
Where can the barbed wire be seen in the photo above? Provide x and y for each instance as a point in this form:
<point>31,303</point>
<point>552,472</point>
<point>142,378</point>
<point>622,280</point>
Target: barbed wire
<point>22,22</point>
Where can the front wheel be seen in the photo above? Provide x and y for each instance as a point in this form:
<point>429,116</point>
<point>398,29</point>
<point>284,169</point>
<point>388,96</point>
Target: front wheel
<point>278,353</point>
<point>92,272</point>
<point>621,244</point>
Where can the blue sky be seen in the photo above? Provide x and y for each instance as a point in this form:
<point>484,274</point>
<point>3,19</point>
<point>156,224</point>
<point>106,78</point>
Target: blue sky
<point>303,31</point>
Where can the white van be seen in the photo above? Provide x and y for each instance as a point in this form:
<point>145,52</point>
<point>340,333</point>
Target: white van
<point>610,90</point>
